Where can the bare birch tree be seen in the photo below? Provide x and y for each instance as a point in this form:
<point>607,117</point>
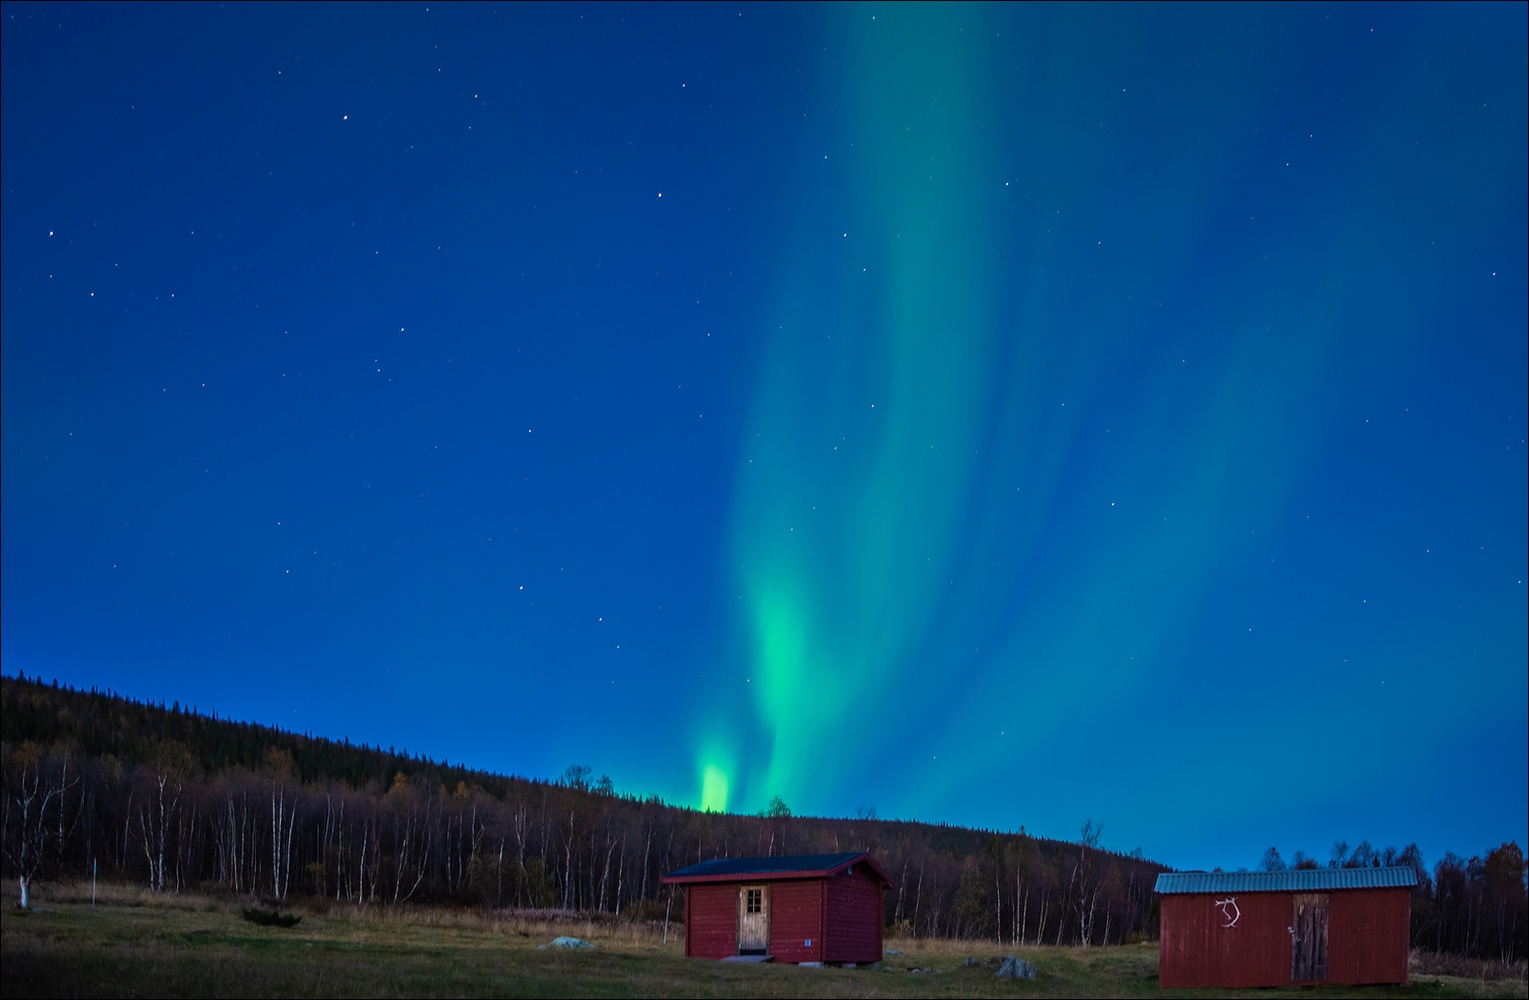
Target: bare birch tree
<point>35,780</point>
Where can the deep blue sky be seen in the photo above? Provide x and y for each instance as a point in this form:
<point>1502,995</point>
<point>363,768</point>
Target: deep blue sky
<point>994,415</point>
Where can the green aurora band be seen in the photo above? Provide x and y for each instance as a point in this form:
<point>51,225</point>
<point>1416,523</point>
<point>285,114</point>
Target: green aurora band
<point>980,459</point>
<point>857,477</point>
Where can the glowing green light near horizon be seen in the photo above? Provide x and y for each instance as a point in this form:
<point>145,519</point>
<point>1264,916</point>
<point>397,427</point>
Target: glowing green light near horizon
<point>713,789</point>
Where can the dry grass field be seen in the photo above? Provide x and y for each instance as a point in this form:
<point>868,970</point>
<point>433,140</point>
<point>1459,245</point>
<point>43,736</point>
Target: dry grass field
<point>133,943</point>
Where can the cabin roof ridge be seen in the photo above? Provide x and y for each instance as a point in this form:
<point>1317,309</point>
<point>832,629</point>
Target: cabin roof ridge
<point>779,866</point>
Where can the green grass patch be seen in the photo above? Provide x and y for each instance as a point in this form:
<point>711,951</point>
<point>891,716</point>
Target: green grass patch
<point>133,944</point>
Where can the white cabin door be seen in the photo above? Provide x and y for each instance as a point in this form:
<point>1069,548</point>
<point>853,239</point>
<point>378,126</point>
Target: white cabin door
<point>753,919</point>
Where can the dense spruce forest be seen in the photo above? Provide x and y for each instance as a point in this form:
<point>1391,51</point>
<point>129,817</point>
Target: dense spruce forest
<point>181,801</point>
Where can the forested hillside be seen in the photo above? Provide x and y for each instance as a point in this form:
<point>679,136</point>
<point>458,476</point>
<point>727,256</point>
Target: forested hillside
<point>181,800</point>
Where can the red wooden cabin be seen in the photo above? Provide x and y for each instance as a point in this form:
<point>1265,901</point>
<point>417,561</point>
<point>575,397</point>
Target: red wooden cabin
<point>1290,928</point>
<point>801,908</point>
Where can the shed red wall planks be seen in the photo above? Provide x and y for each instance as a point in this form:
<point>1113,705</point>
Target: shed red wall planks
<point>1367,938</point>
<point>853,911</point>
<point>1196,949</point>
<point>795,922</point>
<point>711,921</point>
<point>1370,936</point>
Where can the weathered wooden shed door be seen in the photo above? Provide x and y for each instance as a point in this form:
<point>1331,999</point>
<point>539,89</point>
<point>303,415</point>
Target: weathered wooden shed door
<point>1308,937</point>
<point>753,919</point>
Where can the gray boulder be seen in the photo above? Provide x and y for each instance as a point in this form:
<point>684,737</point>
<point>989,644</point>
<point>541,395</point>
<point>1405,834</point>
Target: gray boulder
<point>563,941</point>
<point>1015,968</point>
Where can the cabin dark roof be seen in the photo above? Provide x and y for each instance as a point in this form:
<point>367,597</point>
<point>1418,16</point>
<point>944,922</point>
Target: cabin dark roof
<point>778,867</point>
<point>1294,880</point>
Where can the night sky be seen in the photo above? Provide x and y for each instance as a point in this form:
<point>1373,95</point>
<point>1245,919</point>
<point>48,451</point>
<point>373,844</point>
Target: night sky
<point>990,415</point>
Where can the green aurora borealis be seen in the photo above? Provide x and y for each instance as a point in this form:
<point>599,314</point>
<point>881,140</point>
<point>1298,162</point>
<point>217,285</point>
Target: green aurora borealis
<point>857,476</point>
<point>1045,373</point>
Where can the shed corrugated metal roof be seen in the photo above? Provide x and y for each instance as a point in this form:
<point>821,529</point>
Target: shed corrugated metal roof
<point>1303,880</point>
<point>786,866</point>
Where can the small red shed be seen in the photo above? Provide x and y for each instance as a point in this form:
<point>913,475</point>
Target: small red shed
<point>1289,928</point>
<point>800,908</point>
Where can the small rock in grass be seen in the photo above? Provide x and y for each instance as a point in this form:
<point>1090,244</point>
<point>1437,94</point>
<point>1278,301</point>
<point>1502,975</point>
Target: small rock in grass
<point>564,941</point>
<point>1015,968</point>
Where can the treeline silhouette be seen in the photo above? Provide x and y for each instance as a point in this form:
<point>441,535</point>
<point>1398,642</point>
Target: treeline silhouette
<point>181,800</point>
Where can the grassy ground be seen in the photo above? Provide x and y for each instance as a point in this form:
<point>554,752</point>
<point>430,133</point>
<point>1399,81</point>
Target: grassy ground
<point>136,944</point>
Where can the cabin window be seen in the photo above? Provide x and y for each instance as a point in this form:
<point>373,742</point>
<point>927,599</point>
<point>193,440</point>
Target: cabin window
<point>754,901</point>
